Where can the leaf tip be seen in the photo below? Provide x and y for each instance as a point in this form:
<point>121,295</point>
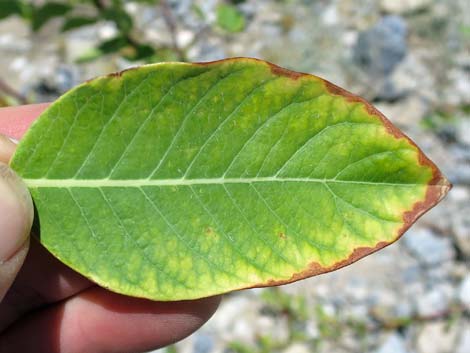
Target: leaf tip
<point>437,189</point>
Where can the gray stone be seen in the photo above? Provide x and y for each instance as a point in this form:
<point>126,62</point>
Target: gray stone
<point>382,47</point>
<point>393,344</point>
<point>429,248</point>
<point>204,343</point>
<point>435,302</point>
<point>235,317</point>
<point>463,130</point>
<point>461,228</point>
<point>411,76</point>
<point>408,112</point>
<point>464,293</point>
<point>458,92</point>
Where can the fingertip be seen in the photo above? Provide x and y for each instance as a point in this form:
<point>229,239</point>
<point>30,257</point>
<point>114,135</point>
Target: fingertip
<point>16,213</point>
<point>7,148</point>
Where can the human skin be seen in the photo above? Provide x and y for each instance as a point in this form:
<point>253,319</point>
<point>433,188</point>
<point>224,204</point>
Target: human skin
<point>46,307</point>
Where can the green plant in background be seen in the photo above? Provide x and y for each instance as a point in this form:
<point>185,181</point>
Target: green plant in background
<point>298,315</point>
<point>126,43</point>
<point>217,177</point>
<point>230,18</point>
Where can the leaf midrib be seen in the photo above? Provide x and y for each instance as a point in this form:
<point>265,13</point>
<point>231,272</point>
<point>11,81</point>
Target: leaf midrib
<point>98,183</point>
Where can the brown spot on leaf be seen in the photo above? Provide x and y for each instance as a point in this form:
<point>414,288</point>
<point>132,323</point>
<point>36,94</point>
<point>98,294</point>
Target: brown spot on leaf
<point>282,235</point>
<point>209,231</point>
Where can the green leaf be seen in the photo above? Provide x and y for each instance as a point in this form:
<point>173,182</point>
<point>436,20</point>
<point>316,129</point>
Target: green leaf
<point>113,45</point>
<point>120,17</point>
<point>140,52</point>
<point>46,12</point>
<point>109,46</point>
<point>230,18</point>
<point>89,55</point>
<point>176,181</point>
<point>77,22</point>
<point>8,8</point>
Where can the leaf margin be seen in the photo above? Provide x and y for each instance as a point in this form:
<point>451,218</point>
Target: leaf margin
<point>436,188</point>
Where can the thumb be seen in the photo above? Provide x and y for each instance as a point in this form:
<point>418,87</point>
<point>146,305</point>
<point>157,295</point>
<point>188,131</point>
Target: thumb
<point>16,217</point>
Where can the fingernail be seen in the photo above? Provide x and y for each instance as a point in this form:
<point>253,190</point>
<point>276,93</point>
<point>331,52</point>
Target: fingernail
<point>16,213</point>
<point>7,147</point>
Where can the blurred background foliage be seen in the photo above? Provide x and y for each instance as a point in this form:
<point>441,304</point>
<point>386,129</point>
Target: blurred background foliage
<point>411,58</point>
<point>75,14</point>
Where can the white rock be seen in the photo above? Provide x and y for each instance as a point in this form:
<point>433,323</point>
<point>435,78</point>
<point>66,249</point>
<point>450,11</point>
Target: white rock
<point>311,329</point>
<point>393,344</point>
<point>404,6</point>
<point>464,293</point>
<point>458,92</point>
<point>297,348</point>
<point>437,337</point>
<point>184,37</point>
<point>408,112</point>
<point>435,302</point>
<point>428,247</point>
<point>464,340</point>
<point>330,15</point>
<point>463,130</point>
<point>460,193</point>
<point>461,227</point>
<point>19,63</point>
<point>235,317</point>
<point>107,31</point>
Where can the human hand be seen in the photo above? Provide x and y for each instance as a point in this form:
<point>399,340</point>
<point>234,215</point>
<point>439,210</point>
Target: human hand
<point>47,307</point>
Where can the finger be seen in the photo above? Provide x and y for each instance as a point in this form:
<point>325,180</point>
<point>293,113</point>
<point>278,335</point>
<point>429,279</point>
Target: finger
<point>100,321</point>
<point>57,281</point>
<point>14,121</point>
<point>7,147</point>
<point>42,280</point>
<point>16,218</point>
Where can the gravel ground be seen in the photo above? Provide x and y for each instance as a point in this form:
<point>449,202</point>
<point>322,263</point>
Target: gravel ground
<point>412,59</point>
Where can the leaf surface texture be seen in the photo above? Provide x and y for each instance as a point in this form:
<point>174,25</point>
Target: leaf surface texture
<point>177,181</point>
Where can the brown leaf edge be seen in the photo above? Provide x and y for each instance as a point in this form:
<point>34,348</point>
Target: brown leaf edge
<point>437,187</point>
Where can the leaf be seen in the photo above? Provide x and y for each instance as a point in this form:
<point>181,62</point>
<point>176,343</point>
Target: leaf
<point>140,52</point>
<point>89,55</point>
<point>113,45</point>
<point>41,15</point>
<point>8,8</point>
<point>77,22</point>
<point>176,181</point>
<point>120,17</point>
<point>230,18</point>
